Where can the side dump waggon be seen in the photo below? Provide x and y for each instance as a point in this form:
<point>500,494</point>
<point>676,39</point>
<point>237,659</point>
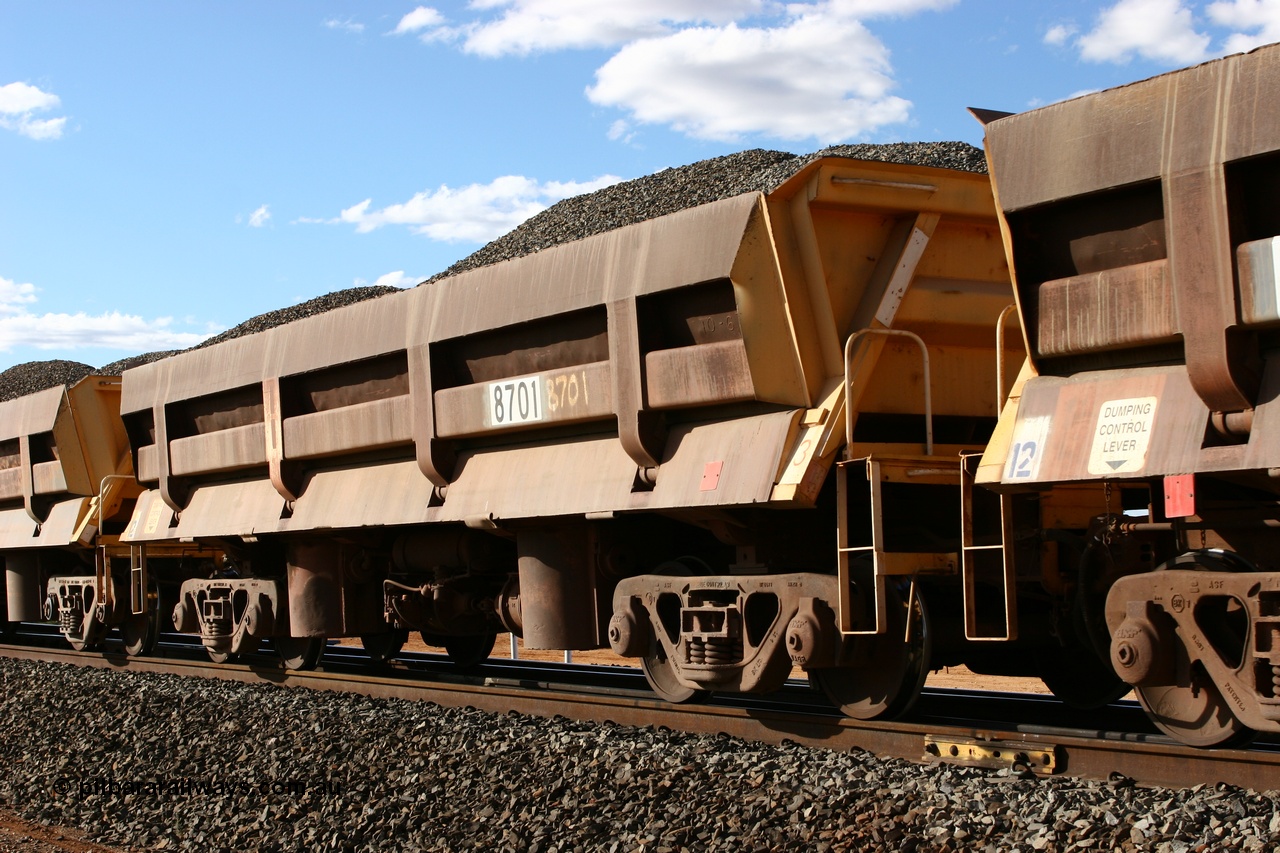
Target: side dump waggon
<point>66,492</point>
<point>1137,459</point>
<point>725,442</point>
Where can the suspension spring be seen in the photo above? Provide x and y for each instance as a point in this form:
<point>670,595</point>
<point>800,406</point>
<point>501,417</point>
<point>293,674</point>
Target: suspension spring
<point>717,651</point>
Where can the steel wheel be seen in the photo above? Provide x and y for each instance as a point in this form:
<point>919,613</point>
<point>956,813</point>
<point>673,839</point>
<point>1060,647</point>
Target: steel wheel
<point>384,646</point>
<point>661,676</point>
<point>891,674</point>
<point>1195,714</point>
<point>1192,709</point>
<point>220,656</point>
<point>469,650</point>
<point>141,631</point>
<point>300,653</point>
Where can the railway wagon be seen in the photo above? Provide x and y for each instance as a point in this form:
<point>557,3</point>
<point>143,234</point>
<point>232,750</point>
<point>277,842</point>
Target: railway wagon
<point>631,440</point>
<point>1137,460</point>
<point>66,492</point>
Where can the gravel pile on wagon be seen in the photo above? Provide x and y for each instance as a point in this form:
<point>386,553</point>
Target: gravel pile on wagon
<point>32,376</point>
<point>706,181</point>
<point>214,765</point>
<point>572,219</point>
<point>319,305</point>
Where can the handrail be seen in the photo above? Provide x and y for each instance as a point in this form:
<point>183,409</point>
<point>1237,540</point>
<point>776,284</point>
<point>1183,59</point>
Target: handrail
<point>928,386</point>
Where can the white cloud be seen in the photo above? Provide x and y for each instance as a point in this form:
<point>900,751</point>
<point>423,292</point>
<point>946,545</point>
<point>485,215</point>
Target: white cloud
<point>530,26</point>
<point>620,129</point>
<point>13,296</point>
<point>1059,34</point>
<point>421,18</point>
<point>714,69</point>
<point>1261,18</point>
<point>18,98</point>
<point>260,217</point>
<point>475,213</point>
<point>18,103</point>
<point>49,128</point>
<point>821,75</point>
<point>391,279</point>
<point>21,327</point>
<point>863,9</point>
<point>1162,30</point>
<point>347,25</point>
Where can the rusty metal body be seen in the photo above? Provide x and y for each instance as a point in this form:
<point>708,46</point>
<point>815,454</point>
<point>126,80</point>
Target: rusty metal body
<point>66,492</point>
<point>545,443</point>
<point>1144,431</point>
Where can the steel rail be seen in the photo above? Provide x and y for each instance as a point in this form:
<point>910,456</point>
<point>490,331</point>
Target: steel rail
<point>1146,759</point>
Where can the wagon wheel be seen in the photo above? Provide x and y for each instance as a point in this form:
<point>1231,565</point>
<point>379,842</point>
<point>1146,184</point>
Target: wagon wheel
<point>892,668</point>
<point>384,646</point>
<point>89,638</point>
<point>1192,709</point>
<point>85,645</point>
<point>219,656</point>
<point>467,651</point>
<point>661,676</point>
<point>657,667</point>
<point>141,631</point>
<point>299,654</point>
<point>91,633</point>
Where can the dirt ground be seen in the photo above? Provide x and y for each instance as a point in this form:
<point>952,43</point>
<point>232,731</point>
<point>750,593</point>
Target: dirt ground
<point>23,836</point>
<point>950,677</point>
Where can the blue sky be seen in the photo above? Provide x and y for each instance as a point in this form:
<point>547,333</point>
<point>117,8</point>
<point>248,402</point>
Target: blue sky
<point>170,169</point>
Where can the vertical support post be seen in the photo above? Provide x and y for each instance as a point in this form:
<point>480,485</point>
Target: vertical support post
<point>139,578</point>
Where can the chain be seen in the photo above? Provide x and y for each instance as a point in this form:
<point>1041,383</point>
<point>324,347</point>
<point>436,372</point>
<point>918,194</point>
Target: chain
<point>1106,495</point>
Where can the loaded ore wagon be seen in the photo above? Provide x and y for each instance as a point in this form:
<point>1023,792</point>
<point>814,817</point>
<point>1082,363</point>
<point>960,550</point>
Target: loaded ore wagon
<point>66,492</point>
<point>724,441</point>
<point>1137,460</point>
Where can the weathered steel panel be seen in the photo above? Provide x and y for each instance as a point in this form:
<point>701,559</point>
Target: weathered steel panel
<point>364,426</point>
<point>31,414</point>
<point>1110,309</point>
<point>751,450</point>
<point>695,245</point>
<point>18,530</point>
<point>1216,112</point>
<point>368,495</point>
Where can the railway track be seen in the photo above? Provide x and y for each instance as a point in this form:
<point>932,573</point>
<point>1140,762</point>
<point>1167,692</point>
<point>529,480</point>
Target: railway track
<point>1029,734</point>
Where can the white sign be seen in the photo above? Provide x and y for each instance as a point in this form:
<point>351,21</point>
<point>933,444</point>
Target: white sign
<point>516,401</point>
<point>1122,435</point>
<point>1027,449</point>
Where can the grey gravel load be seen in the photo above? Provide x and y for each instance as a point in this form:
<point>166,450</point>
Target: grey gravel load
<point>318,305</point>
<point>162,762</point>
<point>32,376</point>
<point>115,368</point>
<point>698,183</point>
<point>572,219</point>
